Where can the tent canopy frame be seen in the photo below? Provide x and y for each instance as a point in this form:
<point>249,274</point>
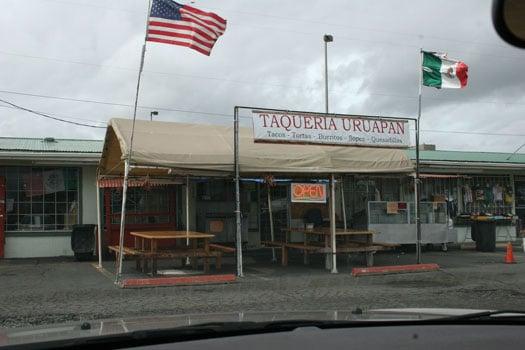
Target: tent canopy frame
<point>111,164</point>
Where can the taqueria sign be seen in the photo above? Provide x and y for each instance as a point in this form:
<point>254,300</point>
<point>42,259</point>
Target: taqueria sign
<point>326,129</point>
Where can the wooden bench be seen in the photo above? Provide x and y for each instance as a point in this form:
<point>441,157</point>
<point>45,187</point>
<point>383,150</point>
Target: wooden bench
<point>182,253</point>
<point>351,247</point>
<point>342,248</point>
<point>222,248</point>
<point>193,254</point>
<point>387,245</point>
<point>126,251</point>
<point>272,244</point>
<point>306,248</point>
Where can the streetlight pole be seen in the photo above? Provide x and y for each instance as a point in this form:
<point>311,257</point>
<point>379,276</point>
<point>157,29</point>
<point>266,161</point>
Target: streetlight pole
<point>327,39</point>
<point>151,114</point>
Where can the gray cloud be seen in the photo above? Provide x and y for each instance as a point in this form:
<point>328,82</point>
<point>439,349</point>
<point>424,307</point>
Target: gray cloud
<point>270,56</point>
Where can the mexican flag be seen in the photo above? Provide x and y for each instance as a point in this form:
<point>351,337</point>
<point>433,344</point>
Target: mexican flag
<point>441,72</point>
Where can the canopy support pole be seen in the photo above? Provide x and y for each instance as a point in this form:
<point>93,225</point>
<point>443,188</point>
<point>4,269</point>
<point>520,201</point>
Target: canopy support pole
<point>187,210</point>
<point>332,224</point>
<point>187,216</point>
<point>122,220</point>
<point>238,235</point>
<point>270,214</point>
<point>99,228</point>
<point>343,205</point>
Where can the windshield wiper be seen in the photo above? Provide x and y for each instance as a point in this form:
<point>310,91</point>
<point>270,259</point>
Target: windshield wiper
<point>499,315</point>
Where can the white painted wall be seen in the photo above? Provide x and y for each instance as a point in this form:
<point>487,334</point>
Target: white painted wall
<point>37,247</point>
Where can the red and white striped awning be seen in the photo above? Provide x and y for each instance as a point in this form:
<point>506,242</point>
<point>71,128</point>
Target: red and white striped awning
<point>145,182</point>
<point>441,176</point>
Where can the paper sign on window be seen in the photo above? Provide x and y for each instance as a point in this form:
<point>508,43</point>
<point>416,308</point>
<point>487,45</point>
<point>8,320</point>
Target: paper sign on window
<point>391,207</point>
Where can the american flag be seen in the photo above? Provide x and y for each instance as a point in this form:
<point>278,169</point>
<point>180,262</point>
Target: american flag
<point>176,24</point>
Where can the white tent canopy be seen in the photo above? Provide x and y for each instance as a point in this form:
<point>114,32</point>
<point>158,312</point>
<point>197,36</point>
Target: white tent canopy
<point>169,148</point>
<point>198,149</point>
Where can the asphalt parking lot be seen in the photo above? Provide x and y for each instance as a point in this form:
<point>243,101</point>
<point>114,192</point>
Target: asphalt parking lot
<point>39,291</point>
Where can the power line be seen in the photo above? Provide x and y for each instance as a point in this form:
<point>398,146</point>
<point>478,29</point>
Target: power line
<point>244,82</point>
<point>113,103</point>
<point>481,133</point>
<point>225,115</point>
<point>51,117</point>
<point>284,86</point>
<point>63,117</point>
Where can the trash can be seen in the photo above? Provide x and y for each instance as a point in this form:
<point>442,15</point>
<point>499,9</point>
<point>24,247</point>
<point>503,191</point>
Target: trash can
<point>484,233</point>
<point>83,241</point>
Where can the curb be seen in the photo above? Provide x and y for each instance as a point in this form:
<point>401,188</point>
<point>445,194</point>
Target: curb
<point>385,270</point>
<point>176,281</point>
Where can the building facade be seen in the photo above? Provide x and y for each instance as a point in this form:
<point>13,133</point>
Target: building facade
<point>49,185</point>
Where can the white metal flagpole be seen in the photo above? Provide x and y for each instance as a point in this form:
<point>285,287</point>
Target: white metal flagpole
<point>128,160</point>
<point>343,205</point>
<point>270,214</point>
<point>187,210</point>
<point>187,216</point>
<point>417,198</point>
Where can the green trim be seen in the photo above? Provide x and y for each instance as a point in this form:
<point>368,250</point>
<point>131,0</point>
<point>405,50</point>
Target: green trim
<point>465,156</point>
<point>25,144</point>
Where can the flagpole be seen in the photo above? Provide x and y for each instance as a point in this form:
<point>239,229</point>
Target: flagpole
<point>128,160</point>
<point>417,196</point>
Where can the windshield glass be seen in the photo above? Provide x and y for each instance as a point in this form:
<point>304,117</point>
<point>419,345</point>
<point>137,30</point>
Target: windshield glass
<point>165,164</point>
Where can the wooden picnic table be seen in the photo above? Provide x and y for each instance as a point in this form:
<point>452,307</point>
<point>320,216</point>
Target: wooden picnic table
<point>326,233</point>
<point>353,241</point>
<point>142,238</point>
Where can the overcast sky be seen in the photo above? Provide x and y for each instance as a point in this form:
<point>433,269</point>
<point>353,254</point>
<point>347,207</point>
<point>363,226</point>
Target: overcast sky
<point>270,56</point>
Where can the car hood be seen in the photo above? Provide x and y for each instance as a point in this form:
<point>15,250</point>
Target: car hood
<point>83,329</point>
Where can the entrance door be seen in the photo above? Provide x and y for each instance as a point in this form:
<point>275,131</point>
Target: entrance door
<point>2,216</point>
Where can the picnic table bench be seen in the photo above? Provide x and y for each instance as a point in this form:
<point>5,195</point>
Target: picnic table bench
<point>146,249</point>
<point>349,244</point>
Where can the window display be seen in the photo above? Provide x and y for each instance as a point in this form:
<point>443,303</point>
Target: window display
<point>493,195</point>
<point>41,199</point>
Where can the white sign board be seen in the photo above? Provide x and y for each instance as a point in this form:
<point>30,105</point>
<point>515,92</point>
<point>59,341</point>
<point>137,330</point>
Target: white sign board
<point>278,126</point>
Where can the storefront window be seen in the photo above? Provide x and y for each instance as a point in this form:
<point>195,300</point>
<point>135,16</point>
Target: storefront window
<point>487,195</point>
<point>216,190</point>
<point>143,206</point>
<point>41,199</point>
